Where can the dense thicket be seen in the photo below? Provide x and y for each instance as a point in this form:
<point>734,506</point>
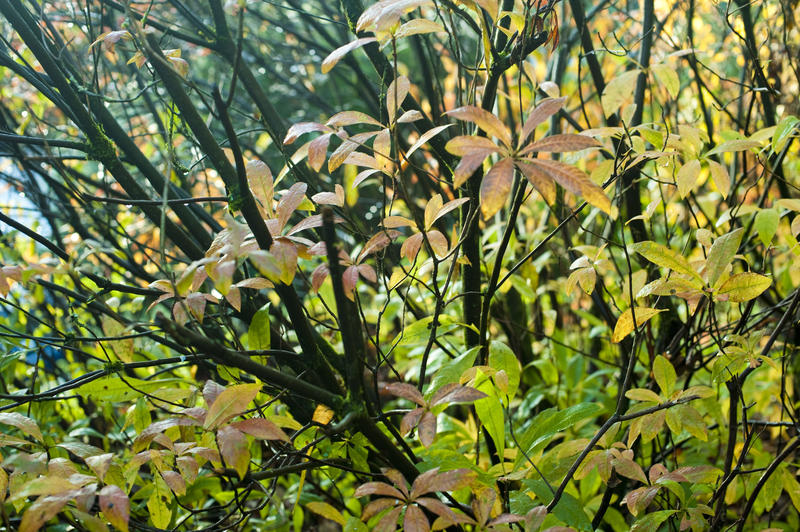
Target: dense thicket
<point>410,264</point>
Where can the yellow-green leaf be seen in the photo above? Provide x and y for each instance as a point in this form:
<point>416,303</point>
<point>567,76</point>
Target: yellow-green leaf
<point>665,257</point>
<point>231,402</point>
<point>744,286</point>
<point>643,394</point>
<point>618,91</point>
<point>664,374</point>
<point>721,254</point>
<point>625,325</point>
<point>668,77</point>
<point>766,223</point>
<point>687,177</point>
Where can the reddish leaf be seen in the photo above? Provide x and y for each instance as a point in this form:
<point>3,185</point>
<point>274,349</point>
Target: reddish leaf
<point>115,506</point>
<point>378,488</point>
<point>542,112</point>
<point>427,428</point>
<point>496,187</point>
<point>290,200</point>
<point>175,482</point>
<point>346,148</point>
<point>317,150</point>
<point>211,391</point>
<point>349,118</point>
<point>541,180</point>
<point>318,277</point>
<point>349,280</point>
<point>188,467</point>
<point>395,95</point>
<point>375,507</point>
<point>411,420</point>
<point>484,120</point>
<point>99,464</point>
<point>438,243</point>
<point>410,247</point>
<point>433,480</point>
<point>406,391</point>
<point>424,138</point>
<point>432,208</point>
<point>560,144</point>
<point>454,393</point>
<point>230,403</point>
<point>260,428</point>
<point>377,243</point>
<point>449,206</point>
<point>575,181</point>
<point>41,511</point>
<point>467,166</point>
<point>388,522</point>
<point>415,520</point>
<point>234,449</point>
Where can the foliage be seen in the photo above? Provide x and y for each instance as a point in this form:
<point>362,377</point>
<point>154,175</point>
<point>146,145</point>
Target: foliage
<point>413,264</point>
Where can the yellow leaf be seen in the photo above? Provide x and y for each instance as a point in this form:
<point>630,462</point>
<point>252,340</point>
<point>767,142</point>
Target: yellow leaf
<point>744,286</point>
<point>322,415</point>
<point>624,324</point>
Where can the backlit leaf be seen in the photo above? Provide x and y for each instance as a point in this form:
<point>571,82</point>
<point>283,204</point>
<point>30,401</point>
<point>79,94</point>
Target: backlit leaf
<point>664,374</point>
<point>496,186</point>
<point>625,325</point>
<point>485,120</point>
<point>329,62</point>
<point>687,177</point>
<point>721,254</point>
<point>541,112</point>
<point>667,77</point>
<point>618,90</point>
<point>665,257</point>
<point>766,224</point>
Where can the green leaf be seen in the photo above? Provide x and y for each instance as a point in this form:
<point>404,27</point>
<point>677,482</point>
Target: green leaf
<point>665,257</point>
<point>158,503</point>
<point>114,390</point>
<point>744,287</point>
<point>490,412</point>
<point>664,374</point>
<point>785,128</point>
<point>651,521</point>
<point>569,510</point>
<point>258,334</point>
<point>230,403</point>
<point>721,254</point>
<point>501,357</point>
<point>766,224</point>
<point>552,421</point>
<point>451,371</point>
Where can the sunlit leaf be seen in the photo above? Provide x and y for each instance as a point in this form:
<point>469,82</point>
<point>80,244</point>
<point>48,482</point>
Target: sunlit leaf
<point>625,325</point>
<point>496,186</point>
<point>744,287</point>
<point>330,61</point>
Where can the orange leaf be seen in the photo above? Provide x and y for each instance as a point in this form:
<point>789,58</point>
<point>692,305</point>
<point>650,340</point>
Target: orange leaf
<point>496,186</point>
<point>484,120</point>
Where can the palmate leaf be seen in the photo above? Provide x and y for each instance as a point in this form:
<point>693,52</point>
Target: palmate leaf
<point>496,186</point>
<point>484,120</point>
